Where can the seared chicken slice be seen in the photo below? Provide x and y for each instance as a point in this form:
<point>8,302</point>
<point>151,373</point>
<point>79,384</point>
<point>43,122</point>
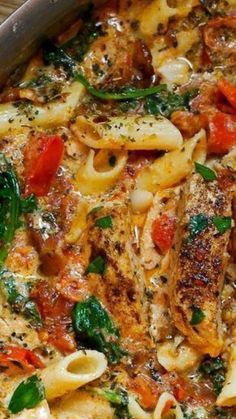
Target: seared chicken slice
<point>200,260</point>
<point>121,288</point>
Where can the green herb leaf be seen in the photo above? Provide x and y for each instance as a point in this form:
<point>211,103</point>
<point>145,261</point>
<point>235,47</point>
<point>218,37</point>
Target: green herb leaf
<point>94,327</point>
<point>19,303</point>
<point>27,395</point>
<point>29,204</point>
<point>166,102</point>
<point>197,224</point>
<point>222,223</point>
<point>127,93</point>
<point>205,172</point>
<point>97,266</point>
<point>55,55</point>
<point>214,369</point>
<point>119,400</point>
<point>197,316</point>
<point>10,210</point>
<point>104,222</point>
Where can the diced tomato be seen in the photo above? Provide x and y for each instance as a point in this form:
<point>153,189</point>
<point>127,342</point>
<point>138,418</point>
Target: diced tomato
<point>15,360</point>
<point>168,406</point>
<point>229,91</point>
<point>43,159</point>
<point>163,230</point>
<point>56,314</point>
<point>147,390</point>
<point>222,133</point>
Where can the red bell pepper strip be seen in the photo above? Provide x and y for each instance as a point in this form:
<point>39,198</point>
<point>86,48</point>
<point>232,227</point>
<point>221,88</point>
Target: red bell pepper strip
<point>44,167</point>
<point>229,91</point>
<point>14,359</point>
<point>163,230</point>
<point>222,133</point>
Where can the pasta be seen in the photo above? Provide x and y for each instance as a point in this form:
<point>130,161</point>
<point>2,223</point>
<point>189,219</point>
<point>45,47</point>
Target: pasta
<point>117,220</point>
<point>164,172</point>
<point>72,372</point>
<point>91,181</point>
<point>128,133</point>
<point>227,396</point>
<point>160,408</point>
<point>13,117</point>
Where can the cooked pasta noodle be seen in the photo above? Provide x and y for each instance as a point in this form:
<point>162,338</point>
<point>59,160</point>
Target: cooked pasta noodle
<point>227,396</point>
<point>128,133</point>
<point>160,408</point>
<point>72,372</point>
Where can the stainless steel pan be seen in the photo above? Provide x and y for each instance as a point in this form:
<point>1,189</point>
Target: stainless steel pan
<point>25,29</point>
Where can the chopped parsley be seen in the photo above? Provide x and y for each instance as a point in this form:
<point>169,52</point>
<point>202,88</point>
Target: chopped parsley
<point>95,328</point>
<point>104,222</point>
<point>207,173</point>
<point>222,223</point>
<point>197,316</point>
<point>197,224</point>
<point>97,266</point>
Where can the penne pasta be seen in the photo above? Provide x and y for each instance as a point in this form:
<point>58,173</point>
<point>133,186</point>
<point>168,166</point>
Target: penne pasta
<point>14,117</point>
<point>128,133</point>
<point>72,372</point>
<point>91,181</point>
<point>170,169</point>
<point>161,405</point>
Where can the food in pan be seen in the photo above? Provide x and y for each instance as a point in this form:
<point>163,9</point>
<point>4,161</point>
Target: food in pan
<point>117,231</point>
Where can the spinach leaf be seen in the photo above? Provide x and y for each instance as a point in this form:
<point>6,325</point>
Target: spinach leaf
<point>29,204</point>
<point>55,55</point>
<point>94,327</point>
<point>214,369</point>
<point>205,172</point>
<point>197,224</point>
<point>119,400</point>
<point>11,206</point>
<point>27,395</point>
<point>166,102</point>
<point>124,94</point>
<point>20,303</point>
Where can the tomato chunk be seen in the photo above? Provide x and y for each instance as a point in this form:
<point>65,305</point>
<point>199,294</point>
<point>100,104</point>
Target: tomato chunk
<point>163,229</point>
<point>43,161</point>
<point>15,360</point>
<point>222,133</point>
<point>147,390</point>
<point>229,91</point>
<point>56,314</point>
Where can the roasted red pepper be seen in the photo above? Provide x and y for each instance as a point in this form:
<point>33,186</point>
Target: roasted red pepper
<point>228,90</point>
<point>43,160</point>
<point>222,133</point>
<point>163,230</point>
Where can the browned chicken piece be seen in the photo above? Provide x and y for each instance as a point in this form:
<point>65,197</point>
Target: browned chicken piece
<point>200,259</point>
<point>121,288</point>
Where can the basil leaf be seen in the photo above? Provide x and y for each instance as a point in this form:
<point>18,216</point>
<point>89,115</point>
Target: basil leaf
<point>27,395</point>
<point>205,172</point>
<point>166,102</point>
<point>97,266</point>
<point>119,400</point>
<point>222,223</point>
<point>55,55</point>
<point>126,93</point>
<point>197,224</point>
<point>197,316</point>
<point>104,222</point>
<point>94,327</point>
